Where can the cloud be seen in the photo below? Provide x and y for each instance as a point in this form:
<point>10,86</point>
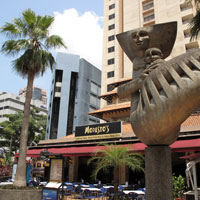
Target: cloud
<point>82,34</point>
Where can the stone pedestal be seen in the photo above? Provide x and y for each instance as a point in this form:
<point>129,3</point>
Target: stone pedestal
<point>158,173</point>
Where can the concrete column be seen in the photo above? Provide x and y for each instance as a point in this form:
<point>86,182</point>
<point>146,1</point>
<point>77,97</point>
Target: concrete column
<point>158,173</point>
<point>73,169</point>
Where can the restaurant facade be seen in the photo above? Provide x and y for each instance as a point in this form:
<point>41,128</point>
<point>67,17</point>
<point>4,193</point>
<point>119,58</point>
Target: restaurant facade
<point>77,148</point>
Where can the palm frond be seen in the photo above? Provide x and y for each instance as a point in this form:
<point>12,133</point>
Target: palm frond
<point>10,30</point>
<point>116,156</point>
<point>12,47</point>
<point>34,62</point>
<point>54,41</point>
<point>46,22</point>
<point>29,17</point>
<point>195,26</point>
<point>21,26</point>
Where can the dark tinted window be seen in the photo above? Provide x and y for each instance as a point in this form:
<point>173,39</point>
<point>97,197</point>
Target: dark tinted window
<point>111,49</point>
<point>110,74</point>
<point>110,38</point>
<point>112,26</point>
<point>111,61</point>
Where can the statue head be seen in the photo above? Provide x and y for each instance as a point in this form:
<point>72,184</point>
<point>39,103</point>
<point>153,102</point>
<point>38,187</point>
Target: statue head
<point>140,39</point>
<point>137,41</point>
<point>152,54</point>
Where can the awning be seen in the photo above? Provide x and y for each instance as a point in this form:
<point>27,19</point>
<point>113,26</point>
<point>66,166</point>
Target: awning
<point>79,151</point>
<point>186,145</point>
<point>194,156</point>
<point>178,146</point>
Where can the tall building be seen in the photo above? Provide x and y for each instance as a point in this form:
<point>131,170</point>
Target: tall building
<point>10,103</point>
<point>124,15</point>
<point>38,94</point>
<point>75,91</point>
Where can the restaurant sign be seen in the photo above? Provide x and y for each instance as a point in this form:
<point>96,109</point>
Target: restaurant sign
<point>99,131</point>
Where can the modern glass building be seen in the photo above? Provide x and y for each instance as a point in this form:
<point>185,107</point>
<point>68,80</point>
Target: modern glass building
<point>75,91</point>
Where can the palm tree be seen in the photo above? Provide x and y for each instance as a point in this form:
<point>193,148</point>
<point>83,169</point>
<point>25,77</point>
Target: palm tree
<point>29,36</point>
<point>116,156</point>
<point>195,26</point>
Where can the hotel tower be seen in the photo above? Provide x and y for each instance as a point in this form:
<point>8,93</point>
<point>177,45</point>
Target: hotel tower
<point>125,15</point>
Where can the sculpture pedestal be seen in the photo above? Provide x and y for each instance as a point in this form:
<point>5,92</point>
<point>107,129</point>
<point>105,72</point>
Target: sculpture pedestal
<point>158,173</point>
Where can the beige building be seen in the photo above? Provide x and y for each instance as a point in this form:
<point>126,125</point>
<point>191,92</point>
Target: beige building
<point>125,15</point>
<point>38,94</point>
<point>11,103</point>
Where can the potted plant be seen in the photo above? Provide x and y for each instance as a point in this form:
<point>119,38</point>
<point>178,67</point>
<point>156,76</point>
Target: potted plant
<point>179,187</point>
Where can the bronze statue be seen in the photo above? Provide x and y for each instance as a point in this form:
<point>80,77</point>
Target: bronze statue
<point>163,93</point>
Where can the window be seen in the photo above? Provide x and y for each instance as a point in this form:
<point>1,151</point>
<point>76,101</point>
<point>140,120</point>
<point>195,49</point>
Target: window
<point>111,49</point>
<point>112,26</point>
<point>110,74</point>
<point>147,6</point>
<point>91,108</point>
<point>111,61</point>
<point>109,88</point>
<point>94,88</point>
<point>111,16</point>
<point>149,17</point>
<point>58,89</point>
<point>92,121</point>
<point>185,6</point>
<point>110,38</point>
<point>94,100</point>
<point>111,6</point>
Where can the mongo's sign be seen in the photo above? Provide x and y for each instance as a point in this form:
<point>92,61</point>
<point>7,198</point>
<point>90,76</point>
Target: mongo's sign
<point>99,131</point>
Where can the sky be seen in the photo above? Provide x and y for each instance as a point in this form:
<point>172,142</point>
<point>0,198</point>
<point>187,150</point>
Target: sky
<point>78,22</point>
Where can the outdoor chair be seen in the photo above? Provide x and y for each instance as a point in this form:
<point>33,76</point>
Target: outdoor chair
<point>132,196</point>
<point>110,193</point>
<point>102,193</point>
<point>64,190</point>
<point>91,185</point>
<point>78,193</point>
<point>89,195</point>
<point>140,197</point>
<point>120,188</point>
<point>121,195</point>
<point>33,184</point>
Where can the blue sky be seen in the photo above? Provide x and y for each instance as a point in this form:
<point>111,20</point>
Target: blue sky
<point>79,22</point>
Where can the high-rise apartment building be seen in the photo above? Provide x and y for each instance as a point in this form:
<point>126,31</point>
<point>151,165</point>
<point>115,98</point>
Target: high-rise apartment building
<point>124,15</point>
<point>38,94</point>
<point>75,91</point>
<point>11,103</point>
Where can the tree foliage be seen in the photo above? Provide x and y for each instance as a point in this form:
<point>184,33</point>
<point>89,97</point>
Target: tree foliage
<point>11,129</point>
<point>195,26</point>
<point>179,186</point>
<point>116,156</point>
<point>29,37</point>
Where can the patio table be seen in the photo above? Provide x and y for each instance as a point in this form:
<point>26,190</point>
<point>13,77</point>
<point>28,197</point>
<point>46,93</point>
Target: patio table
<point>134,191</point>
<point>108,186</point>
<point>92,189</point>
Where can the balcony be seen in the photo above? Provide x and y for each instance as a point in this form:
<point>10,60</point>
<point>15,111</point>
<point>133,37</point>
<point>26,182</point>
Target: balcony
<point>148,6</point>
<point>58,84</point>
<point>57,94</point>
<point>186,25</point>
<point>187,18</point>
<point>191,45</point>
<point>186,12</point>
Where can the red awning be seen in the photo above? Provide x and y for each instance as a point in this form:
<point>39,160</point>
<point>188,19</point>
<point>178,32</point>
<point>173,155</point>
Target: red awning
<point>191,157</point>
<point>186,145</point>
<point>79,151</point>
<point>178,146</point>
